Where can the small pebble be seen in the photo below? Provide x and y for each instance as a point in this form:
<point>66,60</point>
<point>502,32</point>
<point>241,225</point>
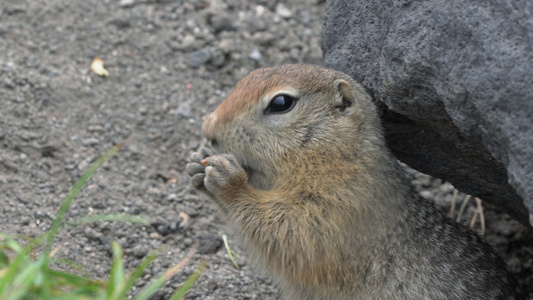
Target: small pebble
<point>183,110</point>
<point>90,142</point>
<point>198,58</point>
<point>126,3</point>
<point>221,23</point>
<point>283,11</point>
<point>255,55</point>
<point>140,251</point>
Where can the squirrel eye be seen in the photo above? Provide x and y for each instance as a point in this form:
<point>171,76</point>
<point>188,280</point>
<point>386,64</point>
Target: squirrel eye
<point>280,104</point>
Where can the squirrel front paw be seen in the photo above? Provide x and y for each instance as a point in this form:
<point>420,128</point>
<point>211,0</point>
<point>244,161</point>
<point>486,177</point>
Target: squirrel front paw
<point>219,175</point>
<point>225,177</point>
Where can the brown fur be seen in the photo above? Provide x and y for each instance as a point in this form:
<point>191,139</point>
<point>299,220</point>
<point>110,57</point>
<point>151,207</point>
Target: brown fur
<point>322,206</point>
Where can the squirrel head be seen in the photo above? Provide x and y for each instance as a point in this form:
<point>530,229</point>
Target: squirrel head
<point>279,119</point>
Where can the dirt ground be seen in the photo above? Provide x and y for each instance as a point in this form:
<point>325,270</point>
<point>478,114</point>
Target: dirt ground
<point>170,62</point>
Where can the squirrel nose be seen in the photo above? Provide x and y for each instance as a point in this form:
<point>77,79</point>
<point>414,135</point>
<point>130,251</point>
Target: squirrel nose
<point>208,129</point>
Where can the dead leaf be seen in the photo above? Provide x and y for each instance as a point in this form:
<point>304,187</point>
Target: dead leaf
<point>98,67</point>
<point>185,218</point>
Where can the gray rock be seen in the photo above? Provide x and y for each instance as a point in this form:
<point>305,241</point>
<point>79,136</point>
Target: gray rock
<point>264,38</point>
<point>453,82</point>
<point>140,251</point>
<point>14,8</point>
<point>184,110</point>
<point>90,142</point>
<point>218,58</point>
<point>226,45</point>
<point>209,244</point>
<point>121,21</point>
<point>198,58</point>
<point>173,198</point>
<point>187,43</point>
<point>254,24</point>
<point>221,22</point>
<point>295,53</point>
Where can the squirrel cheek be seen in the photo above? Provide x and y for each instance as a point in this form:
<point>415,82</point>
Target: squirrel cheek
<point>209,127</point>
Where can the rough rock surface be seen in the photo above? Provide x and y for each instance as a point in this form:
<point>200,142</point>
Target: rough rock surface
<point>455,81</point>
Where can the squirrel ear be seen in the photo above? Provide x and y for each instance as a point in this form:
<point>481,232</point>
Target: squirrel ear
<point>344,97</point>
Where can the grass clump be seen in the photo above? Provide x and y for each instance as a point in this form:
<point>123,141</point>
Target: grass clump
<point>25,271</point>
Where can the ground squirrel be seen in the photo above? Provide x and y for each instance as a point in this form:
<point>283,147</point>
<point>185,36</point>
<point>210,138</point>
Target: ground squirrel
<point>300,172</point>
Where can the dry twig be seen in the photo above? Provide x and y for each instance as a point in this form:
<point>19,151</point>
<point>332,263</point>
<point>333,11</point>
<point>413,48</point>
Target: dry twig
<point>454,201</point>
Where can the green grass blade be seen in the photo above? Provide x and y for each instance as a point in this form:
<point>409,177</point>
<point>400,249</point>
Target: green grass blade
<point>116,277</point>
<point>24,278</point>
<point>9,243</point>
<point>180,293</point>
<point>73,265</point>
<point>42,281</point>
<point>77,287</point>
<point>65,278</point>
<point>4,259</point>
<point>230,253</point>
<point>75,191</point>
<point>121,294</point>
<point>14,267</point>
<point>149,290</point>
